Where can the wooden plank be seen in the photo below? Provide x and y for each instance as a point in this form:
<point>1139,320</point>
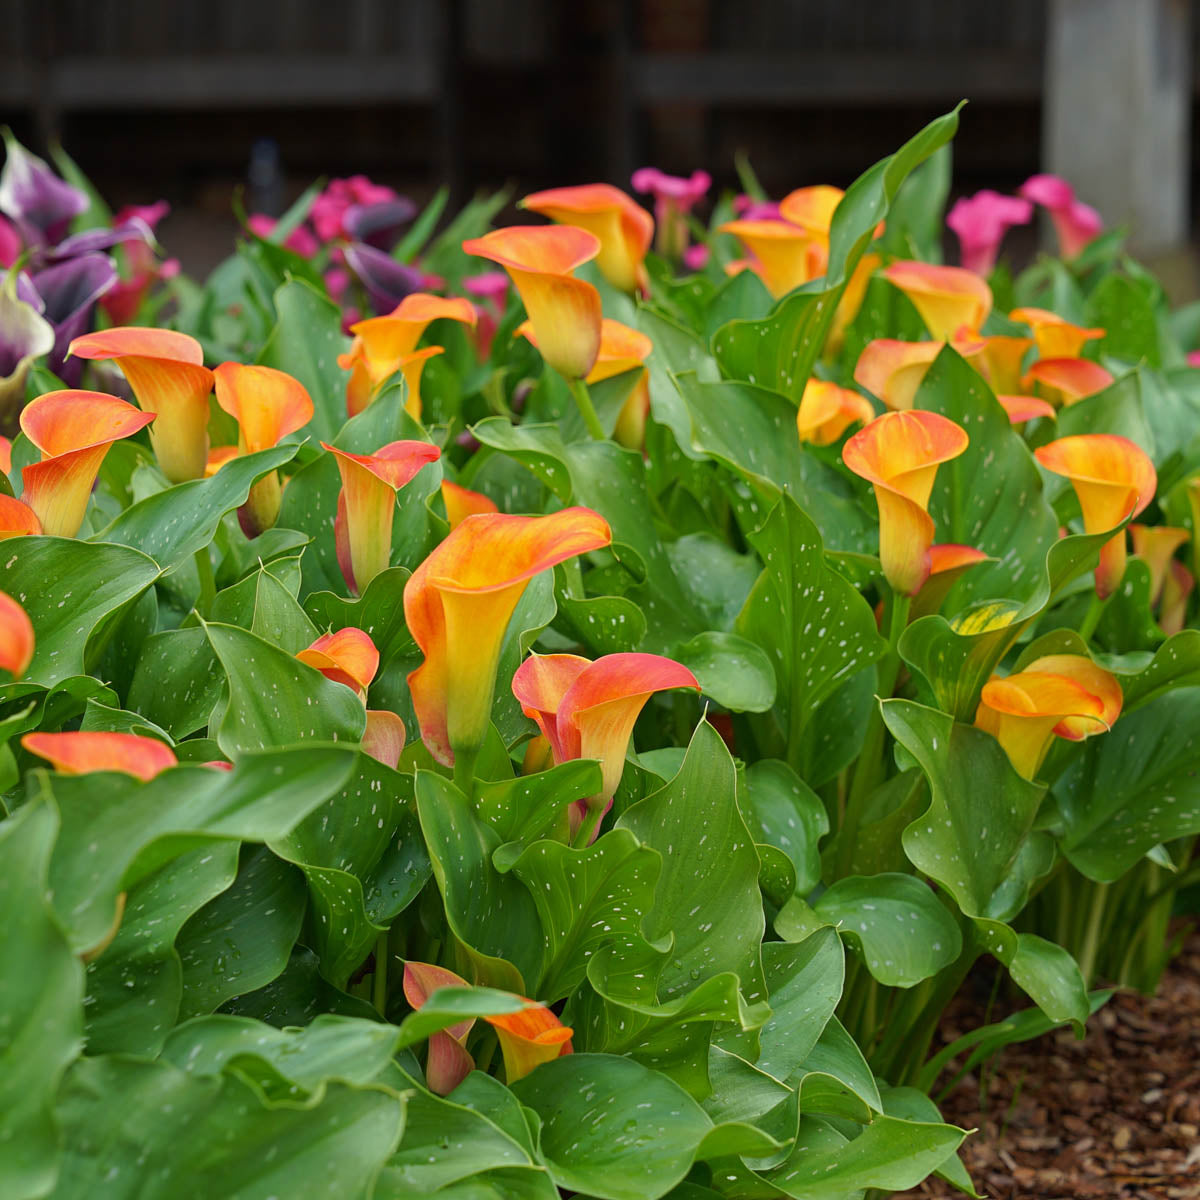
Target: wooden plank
<point>236,81</point>
<point>753,80</point>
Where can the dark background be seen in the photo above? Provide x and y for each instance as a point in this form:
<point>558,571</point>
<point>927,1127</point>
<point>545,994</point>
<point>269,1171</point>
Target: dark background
<point>156,98</point>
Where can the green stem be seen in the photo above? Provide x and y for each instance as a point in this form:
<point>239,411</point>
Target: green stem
<point>208,587</point>
<point>583,837</point>
<point>587,410</point>
<point>464,771</point>
<point>1092,617</point>
<point>1091,935</point>
<point>379,989</point>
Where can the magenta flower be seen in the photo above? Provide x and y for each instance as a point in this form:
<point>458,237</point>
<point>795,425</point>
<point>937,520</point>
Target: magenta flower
<point>69,290</point>
<point>492,288</point>
<point>300,241</point>
<point>1193,358</point>
<point>749,209</point>
<point>10,243</point>
<point>696,257</point>
<point>1075,223</point>
<point>981,221</point>
<point>329,208</point>
<point>674,197</point>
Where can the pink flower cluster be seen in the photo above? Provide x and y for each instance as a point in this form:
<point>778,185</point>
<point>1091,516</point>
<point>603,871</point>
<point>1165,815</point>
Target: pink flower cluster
<point>982,220</point>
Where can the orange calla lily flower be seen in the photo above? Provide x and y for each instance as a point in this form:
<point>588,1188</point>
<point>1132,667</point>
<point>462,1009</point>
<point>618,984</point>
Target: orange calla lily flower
<point>168,377</point>
<point>948,562</point>
<point>1056,337</point>
<point>893,370</point>
<point>346,656</point>
<point>81,752</point>
<point>382,345</point>
<point>461,503</point>
<point>411,366</point>
<point>1060,694</point>
<point>448,1062</point>
<point>783,255</point>
<point>5,455</point>
<point>1002,357</point>
<point>369,486</point>
<point>73,430</point>
<point>1155,545</point>
<point>1066,381</point>
<point>564,311</point>
<point>267,405</point>
<point>812,208</point>
<point>529,1038</point>
<point>1178,587</point>
<point>851,301</point>
<point>623,227</point>
<point>384,736</point>
<point>899,453</point>
<point>458,603</point>
<point>1026,408</point>
<point>218,456</point>
<point>17,518</point>
<point>826,411</point>
<point>1114,479</point>
<point>588,709</point>
<point>16,637</point>
<point>948,298</point>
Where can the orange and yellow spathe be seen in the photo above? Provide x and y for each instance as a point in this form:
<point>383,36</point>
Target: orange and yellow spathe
<point>1155,545</point>
<point>16,637</point>
<point>1114,480</point>
<point>384,345</point>
<point>458,603</point>
<point>948,298</point>
<point>893,370</point>
<point>1064,695</point>
<point>564,311</point>
<point>623,228</point>
<point>1056,337</point>
<point>461,503</point>
<point>267,405</point>
<point>73,430</point>
<point>783,255</point>
<point>899,454</point>
<point>826,411</point>
<point>167,375</point>
<point>368,501</point>
<point>17,518</point>
<point>82,752</point>
<point>346,656</point>
<point>1066,381</point>
<point>1026,408</point>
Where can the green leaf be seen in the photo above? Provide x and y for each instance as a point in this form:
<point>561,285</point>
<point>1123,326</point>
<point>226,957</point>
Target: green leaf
<point>305,342</point>
<point>214,1137</point>
<point>242,938</point>
<point>896,924</point>
<point>264,605</point>
<point>585,900</point>
<point>41,994</point>
<point>911,1104</point>
<point>783,811</point>
<point>1121,307</point>
<point>450,1005</point>
<point>734,672</point>
<point>276,700</point>
<point>981,814</point>
<point>134,987</point>
<point>707,897</point>
<point>378,612</point>
<point>523,809</point>
<point>815,627</point>
<point>117,830</point>
<point>1132,789</point>
<point>68,588</point>
<point>177,678</point>
<point>173,524</point>
<point>1044,971</point>
<point>591,1140</point>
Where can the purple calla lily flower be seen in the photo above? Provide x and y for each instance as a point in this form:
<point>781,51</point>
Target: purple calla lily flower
<point>70,290</point>
<point>25,335</point>
<point>379,224</point>
<point>93,241</point>
<point>387,281</point>
<point>39,203</point>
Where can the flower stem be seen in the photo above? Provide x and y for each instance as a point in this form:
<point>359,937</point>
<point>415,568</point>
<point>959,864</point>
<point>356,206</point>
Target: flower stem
<point>1092,617</point>
<point>584,836</point>
<point>587,409</point>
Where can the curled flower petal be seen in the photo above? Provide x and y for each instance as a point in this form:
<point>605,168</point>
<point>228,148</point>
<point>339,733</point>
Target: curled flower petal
<point>40,203</point>
<point>1179,584</point>
<point>383,738</point>
<point>448,1063</point>
<point>1155,545</point>
<point>1113,479</point>
<point>1066,381</point>
<point>539,684</point>
<point>981,221</point>
<point>893,370</point>
<point>899,454</point>
<point>73,430</point>
<point>1055,336</point>
<point>461,503</point>
<point>529,1038</point>
<point>458,603</point>
<point>623,227</point>
<point>16,637</point>
<point>345,656</point>
<point>17,518</point>
<point>69,291</point>
<point>564,311</point>
<point>826,411</point>
<point>166,372</point>
<point>25,335</point>
<point>81,752</point>
<point>812,208</point>
<point>1026,408</point>
<point>784,255</point>
<point>369,485</point>
<point>386,281</point>
<point>948,298</point>
<point>948,562</point>
<point>621,349</point>
<point>1075,223</point>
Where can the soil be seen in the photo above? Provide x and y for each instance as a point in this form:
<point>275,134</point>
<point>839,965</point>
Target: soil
<point>1114,1115</point>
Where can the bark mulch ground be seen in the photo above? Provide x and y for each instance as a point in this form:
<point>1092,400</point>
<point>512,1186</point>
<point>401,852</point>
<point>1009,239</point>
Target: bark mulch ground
<point>1114,1115</point>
